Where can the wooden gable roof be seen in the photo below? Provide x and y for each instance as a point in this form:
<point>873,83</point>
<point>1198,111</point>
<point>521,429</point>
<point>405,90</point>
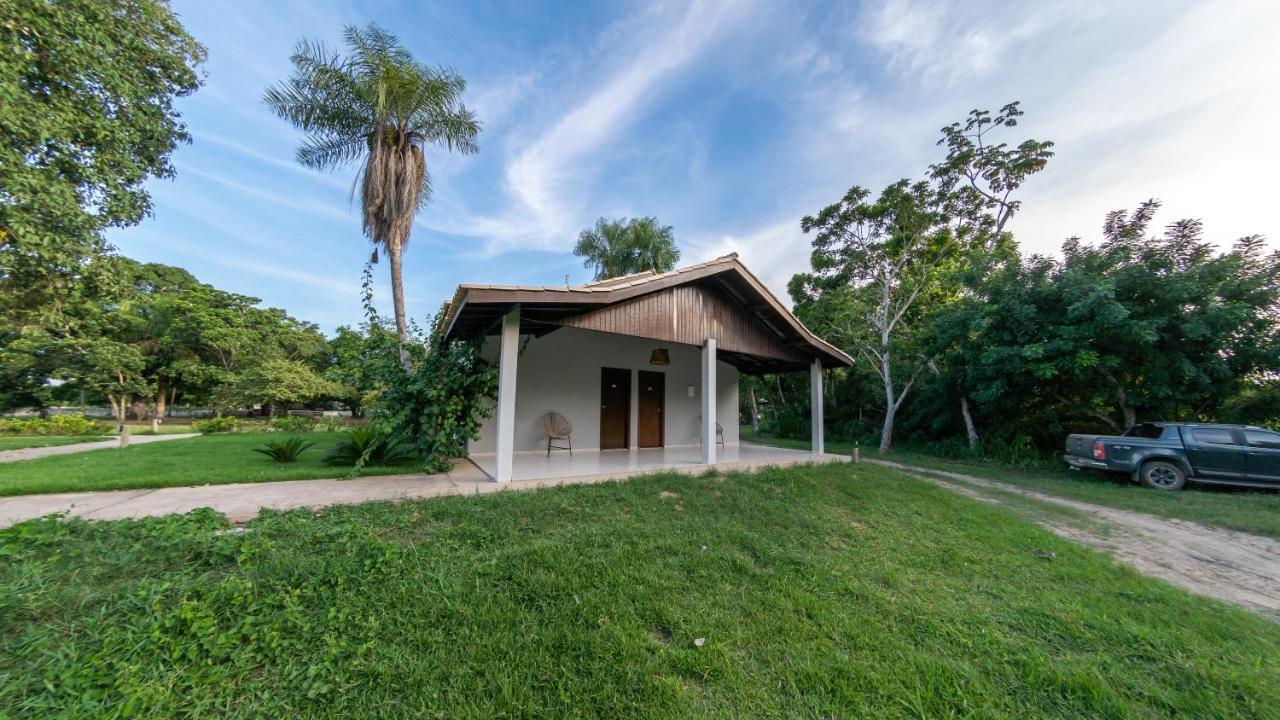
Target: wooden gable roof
<point>720,299</point>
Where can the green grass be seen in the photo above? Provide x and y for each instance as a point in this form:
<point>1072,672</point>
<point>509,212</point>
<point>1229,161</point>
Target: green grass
<point>827,591</point>
<point>1248,511</point>
<point>18,443</point>
<point>209,459</point>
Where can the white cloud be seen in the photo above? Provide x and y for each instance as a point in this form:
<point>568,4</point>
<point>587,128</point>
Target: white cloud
<point>328,179</point>
<point>774,252</point>
<point>318,208</point>
<point>548,180</point>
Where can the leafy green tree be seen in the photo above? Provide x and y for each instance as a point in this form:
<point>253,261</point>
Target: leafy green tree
<point>278,381</point>
<point>976,182</point>
<point>1137,327</point>
<point>875,269</point>
<point>624,246</point>
<point>87,88</point>
<point>348,365</point>
<point>379,107</point>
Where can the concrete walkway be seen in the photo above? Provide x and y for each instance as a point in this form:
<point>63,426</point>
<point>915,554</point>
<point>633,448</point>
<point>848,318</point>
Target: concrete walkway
<point>39,452</point>
<point>243,501</point>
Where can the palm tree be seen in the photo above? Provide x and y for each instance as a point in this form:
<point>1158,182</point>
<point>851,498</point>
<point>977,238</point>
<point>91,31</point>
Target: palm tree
<point>655,245</point>
<point>379,107</point>
<point>620,247</point>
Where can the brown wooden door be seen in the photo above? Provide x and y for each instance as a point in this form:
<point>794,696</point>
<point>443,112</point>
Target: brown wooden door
<point>615,408</point>
<point>653,399</point>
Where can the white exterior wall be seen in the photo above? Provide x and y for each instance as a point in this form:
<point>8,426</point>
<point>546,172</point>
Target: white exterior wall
<point>560,372</point>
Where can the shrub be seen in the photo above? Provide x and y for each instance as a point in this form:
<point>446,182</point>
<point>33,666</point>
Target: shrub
<point>366,446</point>
<point>293,424</point>
<point>330,424</point>
<point>284,451</point>
<point>57,425</point>
<point>224,424</point>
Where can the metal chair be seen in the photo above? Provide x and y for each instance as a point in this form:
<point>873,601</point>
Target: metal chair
<point>719,432</point>
<point>557,427</point>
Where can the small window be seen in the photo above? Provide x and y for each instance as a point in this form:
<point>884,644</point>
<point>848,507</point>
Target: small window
<point>1146,430</point>
<point>1170,433</point>
<point>1262,439</point>
<point>1213,436</point>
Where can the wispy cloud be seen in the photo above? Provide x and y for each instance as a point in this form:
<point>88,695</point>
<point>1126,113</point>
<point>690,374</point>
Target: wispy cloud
<point>549,179</point>
<point>319,208</point>
<point>329,180</point>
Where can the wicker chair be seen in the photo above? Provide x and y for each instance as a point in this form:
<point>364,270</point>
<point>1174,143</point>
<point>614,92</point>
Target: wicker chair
<point>719,432</point>
<point>557,427</point>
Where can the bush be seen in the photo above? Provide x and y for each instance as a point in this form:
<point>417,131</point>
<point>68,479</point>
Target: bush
<point>366,446</point>
<point>330,424</point>
<point>61,425</point>
<point>284,451</point>
<point>293,424</point>
<point>224,424</point>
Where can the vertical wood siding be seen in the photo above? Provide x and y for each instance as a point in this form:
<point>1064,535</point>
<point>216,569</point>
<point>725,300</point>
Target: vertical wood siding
<point>689,314</point>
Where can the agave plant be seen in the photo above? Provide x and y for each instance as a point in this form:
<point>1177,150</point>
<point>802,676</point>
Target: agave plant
<point>369,444</point>
<point>284,451</point>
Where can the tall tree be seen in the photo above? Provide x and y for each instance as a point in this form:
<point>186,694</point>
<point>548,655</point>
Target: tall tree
<point>87,89</point>
<point>613,248</point>
<point>976,183</point>
<point>378,106</point>
<point>874,268</point>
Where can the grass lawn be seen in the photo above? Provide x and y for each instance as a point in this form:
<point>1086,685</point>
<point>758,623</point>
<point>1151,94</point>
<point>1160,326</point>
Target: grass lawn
<point>1249,511</point>
<point>209,459</point>
<point>17,443</point>
<point>826,591</point>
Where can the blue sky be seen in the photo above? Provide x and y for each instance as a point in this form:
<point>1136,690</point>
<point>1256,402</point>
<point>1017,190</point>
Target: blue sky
<point>727,120</point>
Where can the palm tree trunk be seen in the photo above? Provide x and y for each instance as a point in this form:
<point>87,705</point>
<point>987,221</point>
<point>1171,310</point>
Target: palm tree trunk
<point>395,250</point>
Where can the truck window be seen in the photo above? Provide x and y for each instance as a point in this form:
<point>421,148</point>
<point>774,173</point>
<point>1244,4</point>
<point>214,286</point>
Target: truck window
<point>1213,436</point>
<point>1149,431</point>
<point>1262,439</point>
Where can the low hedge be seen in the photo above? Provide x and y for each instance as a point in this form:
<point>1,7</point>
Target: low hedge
<point>58,425</point>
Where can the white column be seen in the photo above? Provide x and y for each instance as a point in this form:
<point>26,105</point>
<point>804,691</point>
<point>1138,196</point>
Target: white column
<point>508,350</point>
<point>709,402</point>
<point>815,405</point>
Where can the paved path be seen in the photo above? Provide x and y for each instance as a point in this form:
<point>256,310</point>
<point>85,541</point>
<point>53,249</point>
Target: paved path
<point>39,452</point>
<point>243,501</point>
<point>1236,567</point>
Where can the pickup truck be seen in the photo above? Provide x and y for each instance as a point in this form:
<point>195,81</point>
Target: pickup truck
<point>1165,456</point>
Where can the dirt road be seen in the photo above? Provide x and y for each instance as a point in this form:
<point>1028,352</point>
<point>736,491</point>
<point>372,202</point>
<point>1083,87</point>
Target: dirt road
<point>1235,567</point>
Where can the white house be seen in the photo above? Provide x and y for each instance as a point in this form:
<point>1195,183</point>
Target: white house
<point>646,365</point>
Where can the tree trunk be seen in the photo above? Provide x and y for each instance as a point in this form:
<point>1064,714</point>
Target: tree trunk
<point>886,432</point>
<point>395,249</point>
<point>162,400</point>
<point>1127,411</point>
<point>890,407</point>
<point>969,427</point>
<point>755,414</point>
<point>117,407</point>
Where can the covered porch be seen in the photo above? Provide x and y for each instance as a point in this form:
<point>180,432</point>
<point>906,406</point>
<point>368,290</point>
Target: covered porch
<point>537,465</point>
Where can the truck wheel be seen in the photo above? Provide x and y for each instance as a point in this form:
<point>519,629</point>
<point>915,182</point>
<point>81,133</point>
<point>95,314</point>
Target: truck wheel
<point>1162,476</point>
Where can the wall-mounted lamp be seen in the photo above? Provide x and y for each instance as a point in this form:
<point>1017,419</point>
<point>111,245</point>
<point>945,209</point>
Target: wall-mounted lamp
<point>660,356</point>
